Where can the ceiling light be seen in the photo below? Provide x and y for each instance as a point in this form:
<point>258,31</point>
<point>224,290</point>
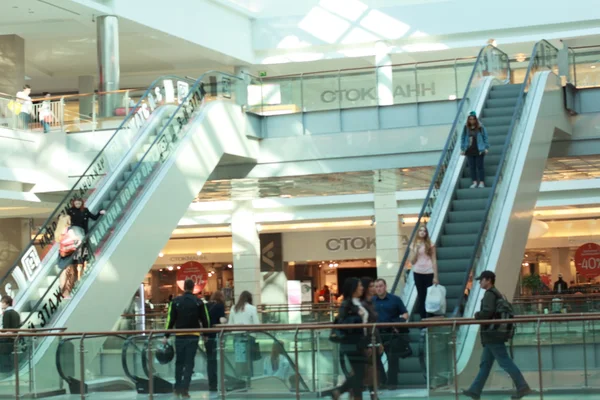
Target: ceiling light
<point>198,253</point>
<point>592,66</point>
<point>161,254</point>
<point>170,268</point>
<point>229,266</point>
<point>452,97</point>
<point>179,267</point>
<point>161,270</point>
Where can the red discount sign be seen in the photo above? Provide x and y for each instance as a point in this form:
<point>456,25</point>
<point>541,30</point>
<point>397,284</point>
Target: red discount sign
<point>587,260</point>
<point>195,271</point>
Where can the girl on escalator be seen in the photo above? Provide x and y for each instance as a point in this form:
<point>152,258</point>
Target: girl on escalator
<point>424,267</point>
<point>80,217</point>
<point>474,144</point>
<point>68,238</point>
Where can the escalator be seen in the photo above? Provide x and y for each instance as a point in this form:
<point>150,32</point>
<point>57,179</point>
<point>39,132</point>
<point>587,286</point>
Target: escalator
<point>144,178</point>
<point>464,223</point>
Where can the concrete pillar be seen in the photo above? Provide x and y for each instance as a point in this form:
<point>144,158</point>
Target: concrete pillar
<point>241,87</point>
<point>561,263</point>
<point>15,235</point>
<point>563,62</point>
<point>12,67</point>
<point>109,74</point>
<point>390,249</point>
<point>245,250</point>
<point>385,84</point>
<point>86,85</point>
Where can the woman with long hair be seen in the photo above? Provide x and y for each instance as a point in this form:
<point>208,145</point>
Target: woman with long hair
<point>367,301</point>
<point>246,348</point>
<point>80,216</point>
<point>216,312</point>
<point>474,144</point>
<point>355,346</point>
<point>68,242</point>
<point>424,267</point>
<point>244,313</point>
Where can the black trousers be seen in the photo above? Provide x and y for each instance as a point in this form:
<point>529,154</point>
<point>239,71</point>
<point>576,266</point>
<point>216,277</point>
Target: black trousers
<point>211,363</point>
<point>185,350</point>
<point>422,282</point>
<point>356,382</point>
<point>393,359</point>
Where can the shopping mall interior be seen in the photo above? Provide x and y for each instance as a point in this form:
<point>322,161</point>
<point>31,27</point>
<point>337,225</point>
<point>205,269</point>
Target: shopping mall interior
<point>309,165</point>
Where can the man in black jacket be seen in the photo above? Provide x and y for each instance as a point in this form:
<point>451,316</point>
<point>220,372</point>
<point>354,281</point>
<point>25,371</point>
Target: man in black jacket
<point>494,348</point>
<point>10,320</point>
<point>186,312</point>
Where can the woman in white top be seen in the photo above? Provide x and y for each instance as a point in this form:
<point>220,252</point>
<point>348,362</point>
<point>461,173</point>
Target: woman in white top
<point>424,267</point>
<point>26,107</point>
<point>277,364</point>
<point>244,313</point>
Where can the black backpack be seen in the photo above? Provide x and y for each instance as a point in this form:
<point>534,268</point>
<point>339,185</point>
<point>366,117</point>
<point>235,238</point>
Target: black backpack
<point>504,310</point>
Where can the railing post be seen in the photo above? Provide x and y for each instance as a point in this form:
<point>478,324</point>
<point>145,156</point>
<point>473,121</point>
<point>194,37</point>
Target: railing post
<point>454,360</point>
<point>585,369</point>
<point>94,113</point>
<point>297,369</point>
<point>82,367</point>
<point>16,353</point>
<point>314,361</point>
<point>302,104</point>
<point>340,99</point>
<point>539,351</point>
<point>150,368</point>
<point>62,113</point>
<point>222,364</point>
<point>374,355</point>
<point>126,97</point>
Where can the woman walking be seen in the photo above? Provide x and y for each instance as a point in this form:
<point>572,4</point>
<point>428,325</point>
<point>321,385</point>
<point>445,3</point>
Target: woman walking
<point>355,346</point>
<point>424,267</point>
<point>474,144</point>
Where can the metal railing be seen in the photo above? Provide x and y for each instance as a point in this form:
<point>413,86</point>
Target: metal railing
<point>480,70</point>
<point>536,336</point>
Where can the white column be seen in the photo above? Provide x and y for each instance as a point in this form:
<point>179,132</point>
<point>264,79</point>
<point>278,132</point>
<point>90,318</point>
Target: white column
<point>561,263</point>
<point>246,250</point>
<point>387,229</point>
<point>86,84</point>
<point>385,85</point>
<point>241,87</point>
<point>12,67</point>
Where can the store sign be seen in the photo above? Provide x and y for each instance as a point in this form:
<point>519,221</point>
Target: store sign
<point>587,260</point>
<point>365,94</point>
<point>358,243</point>
<point>195,271</point>
<point>271,255</point>
<point>22,274</point>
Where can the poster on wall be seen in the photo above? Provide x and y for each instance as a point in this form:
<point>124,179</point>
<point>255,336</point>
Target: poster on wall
<point>294,301</point>
<point>195,271</point>
<point>306,294</point>
<point>587,260</point>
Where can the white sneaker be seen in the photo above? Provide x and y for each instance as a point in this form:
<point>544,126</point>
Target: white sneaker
<point>473,186</point>
<point>481,184</point>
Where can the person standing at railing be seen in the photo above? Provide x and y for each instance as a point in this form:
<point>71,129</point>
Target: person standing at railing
<point>45,113</point>
<point>390,308</point>
<point>26,107</point>
<point>493,342</point>
<point>186,312</point>
<point>424,267</point>
<point>474,144</point>
<point>216,312</point>
<point>355,344</point>
<point>10,320</point>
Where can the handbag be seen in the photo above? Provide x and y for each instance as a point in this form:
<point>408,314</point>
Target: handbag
<point>400,345</point>
<point>338,335</point>
<point>435,302</point>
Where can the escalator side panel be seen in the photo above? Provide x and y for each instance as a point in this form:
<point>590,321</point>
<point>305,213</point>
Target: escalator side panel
<point>543,115</point>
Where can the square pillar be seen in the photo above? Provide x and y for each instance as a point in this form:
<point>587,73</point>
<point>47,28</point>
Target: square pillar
<point>245,250</point>
<point>561,264</point>
<point>12,67</point>
<point>390,249</point>
<point>14,237</point>
<point>384,71</point>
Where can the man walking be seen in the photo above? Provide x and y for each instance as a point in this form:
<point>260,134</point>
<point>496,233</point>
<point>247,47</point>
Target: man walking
<point>492,340</point>
<point>10,320</point>
<point>390,308</point>
<point>186,312</point>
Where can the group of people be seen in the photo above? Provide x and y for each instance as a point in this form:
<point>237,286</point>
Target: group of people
<point>22,108</point>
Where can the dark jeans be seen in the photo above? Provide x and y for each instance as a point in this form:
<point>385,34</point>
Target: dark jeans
<point>46,126</point>
<point>391,378</point>
<point>24,119</point>
<point>185,350</point>
<point>211,363</point>
<point>422,282</point>
<point>497,352</point>
<point>356,382</point>
<point>476,167</point>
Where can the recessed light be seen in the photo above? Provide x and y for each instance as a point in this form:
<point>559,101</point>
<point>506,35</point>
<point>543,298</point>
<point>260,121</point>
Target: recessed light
<point>161,254</point>
<point>198,253</point>
<point>592,66</point>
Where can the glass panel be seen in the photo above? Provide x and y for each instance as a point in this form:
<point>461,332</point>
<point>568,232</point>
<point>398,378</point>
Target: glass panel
<point>404,81</point>
<point>322,92</point>
<point>358,89</point>
<point>23,348</point>
<point>440,357</point>
<point>436,81</point>
<point>587,68</point>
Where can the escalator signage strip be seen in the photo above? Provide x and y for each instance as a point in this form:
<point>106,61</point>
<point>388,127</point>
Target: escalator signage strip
<point>42,316</point>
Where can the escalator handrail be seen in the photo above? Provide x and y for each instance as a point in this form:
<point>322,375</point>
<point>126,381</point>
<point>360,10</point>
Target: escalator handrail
<point>60,206</point>
<point>445,153</point>
<point>516,116</point>
<point>134,171</point>
<point>61,343</point>
<point>128,342</point>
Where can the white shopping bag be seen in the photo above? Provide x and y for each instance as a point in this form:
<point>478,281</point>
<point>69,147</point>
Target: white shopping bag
<point>435,303</point>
